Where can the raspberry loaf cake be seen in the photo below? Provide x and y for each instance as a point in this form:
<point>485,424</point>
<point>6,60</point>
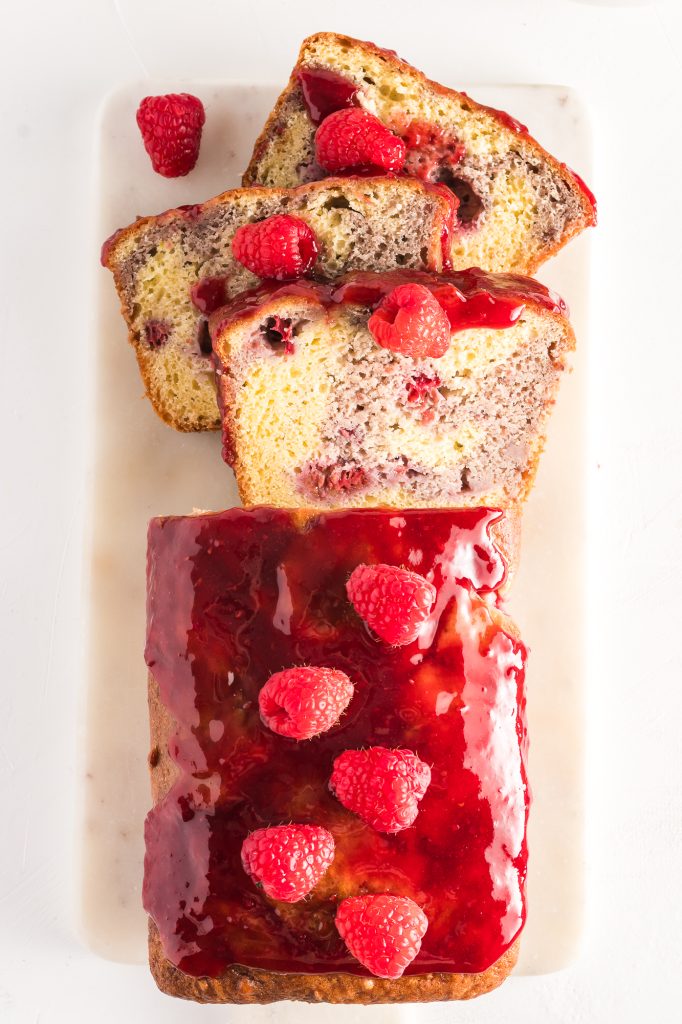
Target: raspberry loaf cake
<point>337,816</point>
<point>171,271</point>
<point>351,105</point>
<point>327,403</point>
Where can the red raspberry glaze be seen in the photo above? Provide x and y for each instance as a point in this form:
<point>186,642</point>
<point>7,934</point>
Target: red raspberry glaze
<point>237,595</point>
<point>325,91</point>
<point>471,298</point>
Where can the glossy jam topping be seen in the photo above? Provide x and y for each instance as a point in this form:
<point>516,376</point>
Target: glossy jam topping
<point>471,298</point>
<point>238,595</point>
<point>325,91</point>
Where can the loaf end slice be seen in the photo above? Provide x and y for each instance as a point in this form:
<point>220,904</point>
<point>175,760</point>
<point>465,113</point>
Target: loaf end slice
<point>517,203</point>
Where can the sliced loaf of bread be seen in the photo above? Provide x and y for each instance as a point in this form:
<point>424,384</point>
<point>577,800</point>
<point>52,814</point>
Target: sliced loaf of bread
<point>171,271</point>
<point>517,204</point>
<point>317,414</point>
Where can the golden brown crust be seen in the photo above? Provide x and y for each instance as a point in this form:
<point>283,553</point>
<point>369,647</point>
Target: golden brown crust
<point>398,66</point>
<point>250,985</point>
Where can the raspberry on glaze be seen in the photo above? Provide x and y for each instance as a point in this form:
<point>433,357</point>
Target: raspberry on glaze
<point>303,702</point>
<point>171,129</point>
<point>381,786</point>
<point>354,139</point>
<point>156,333</point>
<point>395,603</point>
<point>280,247</point>
<point>410,320</point>
<point>383,932</point>
<point>288,860</point>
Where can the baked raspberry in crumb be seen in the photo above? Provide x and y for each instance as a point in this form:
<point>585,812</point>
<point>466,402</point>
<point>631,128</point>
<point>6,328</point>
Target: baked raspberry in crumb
<point>411,321</point>
<point>381,786</point>
<point>288,860</point>
<point>395,603</point>
<point>280,247</point>
<point>171,128</point>
<point>156,333</point>
<point>354,139</point>
<point>383,932</point>
<point>303,702</point>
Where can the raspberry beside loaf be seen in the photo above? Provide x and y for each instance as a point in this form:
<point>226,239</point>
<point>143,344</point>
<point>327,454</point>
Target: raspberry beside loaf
<point>517,204</point>
<point>237,595</point>
<point>316,413</point>
<point>157,262</point>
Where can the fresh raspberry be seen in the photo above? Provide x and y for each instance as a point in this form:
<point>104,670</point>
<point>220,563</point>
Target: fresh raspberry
<point>383,932</point>
<point>288,860</point>
<point>394,602</point>
<point>411,321</point>
<point>354,139</point>
<point>303,702</point>
<point>381,786</point>
<point>171,130</point>
<point>279,247</point>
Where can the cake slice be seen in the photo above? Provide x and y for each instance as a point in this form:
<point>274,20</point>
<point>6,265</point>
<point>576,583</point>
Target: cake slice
<point>171,271</point>
<point>236,596</point>
<point>517,204</point>
<point>318,413</point>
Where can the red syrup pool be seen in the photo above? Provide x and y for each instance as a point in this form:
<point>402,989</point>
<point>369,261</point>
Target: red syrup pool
<point>238,595</point>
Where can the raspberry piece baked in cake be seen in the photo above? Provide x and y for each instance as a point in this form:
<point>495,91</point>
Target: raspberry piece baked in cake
<point>173,270</point>
<point>351,106</point>
<point>382,860</point>
<point>346,395</point>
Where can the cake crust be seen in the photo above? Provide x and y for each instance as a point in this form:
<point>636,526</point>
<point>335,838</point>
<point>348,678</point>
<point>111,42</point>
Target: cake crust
<point>248,985</point>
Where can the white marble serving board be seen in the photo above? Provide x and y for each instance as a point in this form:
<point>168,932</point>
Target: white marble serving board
<point>141,468</point>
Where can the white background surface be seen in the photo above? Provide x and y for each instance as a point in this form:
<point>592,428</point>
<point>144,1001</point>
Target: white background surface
<point>57,60</point>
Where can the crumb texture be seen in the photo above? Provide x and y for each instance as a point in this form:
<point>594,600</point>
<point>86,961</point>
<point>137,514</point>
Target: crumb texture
<point>159,262</point>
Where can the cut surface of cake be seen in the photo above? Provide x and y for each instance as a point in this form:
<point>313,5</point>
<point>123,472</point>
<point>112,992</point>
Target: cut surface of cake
<point>237,596</point>
<point>517,204</point>
<point>172,270</point>
<point>317,413</point>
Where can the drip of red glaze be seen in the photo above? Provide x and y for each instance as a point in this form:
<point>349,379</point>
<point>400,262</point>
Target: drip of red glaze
<point>217,587</point>
<point>506,119</point>
<point>325,91</point>
<point>209,294</point>
<point>586,191</point>
<point>472,298</point>
<point>189,210</point>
